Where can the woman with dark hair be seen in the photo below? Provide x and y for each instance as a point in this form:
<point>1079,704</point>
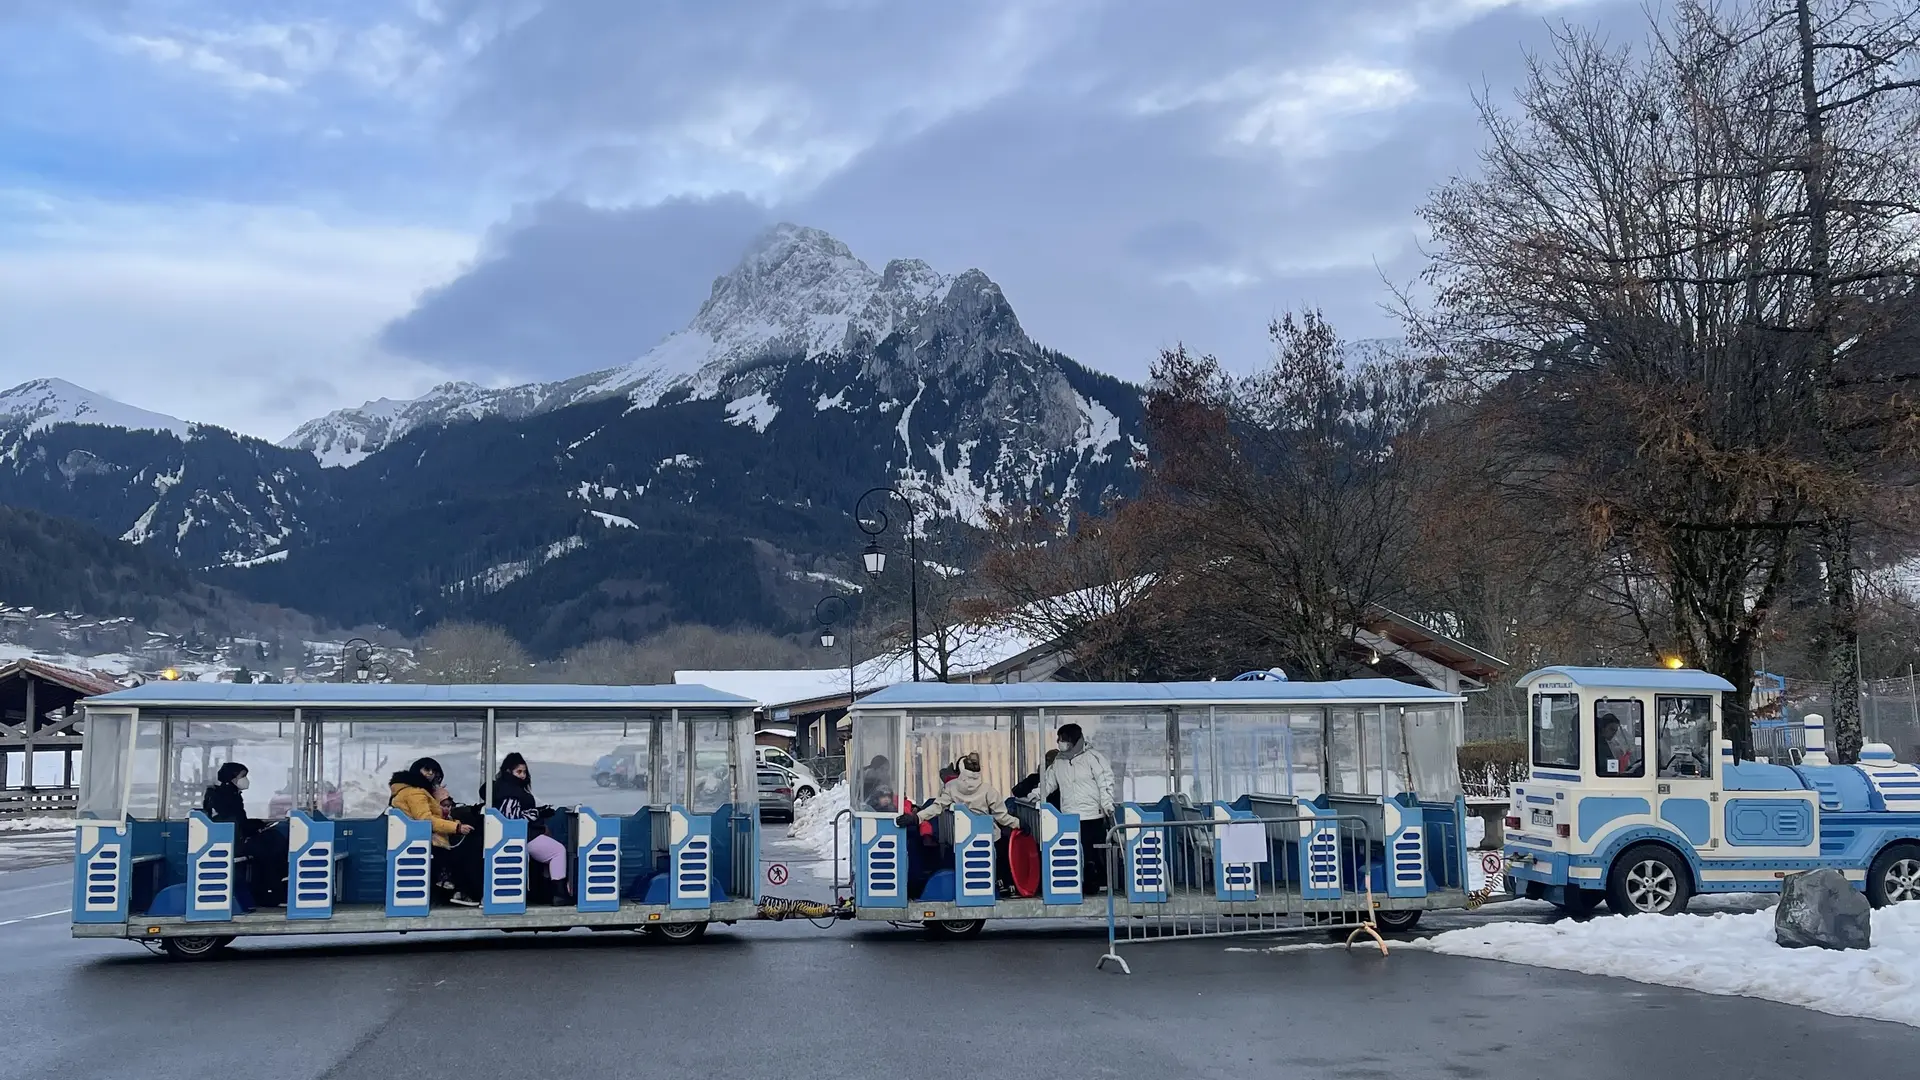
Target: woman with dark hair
<point>413,795</point>
<point>264,846</point>
<point>513,797</point>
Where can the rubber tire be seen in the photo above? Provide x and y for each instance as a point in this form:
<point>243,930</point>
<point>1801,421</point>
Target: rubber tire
<point>803,795</point>
<point>1397,922</point>
<point>954,928</point>
<point>195,947</point>
<point>679,933</point>
<point>1877,874</point>
<point>1617,898</point>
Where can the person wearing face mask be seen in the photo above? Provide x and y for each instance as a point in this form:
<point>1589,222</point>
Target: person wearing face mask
<point>1084,781</point>
<point>413,795</point>
<point>969,789</point>
<point>264,846</point>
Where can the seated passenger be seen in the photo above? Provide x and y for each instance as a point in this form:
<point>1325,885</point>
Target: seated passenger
<point>1031,783</point>
<point>875,778</point>
<point>969,789</point>
<point>413,795</point>
<point>513,797</point>
<point>264,846</point>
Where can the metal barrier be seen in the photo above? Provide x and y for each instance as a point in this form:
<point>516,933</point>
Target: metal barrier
<point>1212,877</point>
<point>48,803</point>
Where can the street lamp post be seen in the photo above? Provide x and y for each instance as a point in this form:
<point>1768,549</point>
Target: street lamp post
<point>875,560</point>
<point>359,653</point>
<point>826,612</point>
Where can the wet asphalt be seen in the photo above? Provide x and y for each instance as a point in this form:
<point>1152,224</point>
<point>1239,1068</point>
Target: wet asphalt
<point>858,1001</point>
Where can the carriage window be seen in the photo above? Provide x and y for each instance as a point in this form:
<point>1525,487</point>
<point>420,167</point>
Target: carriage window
<point>358,760</point>
<point>1432,735</point>
<point>1136,745</point>
<point>937,740</point>
<point>103,782</point>
<point>604,764</point>
<point>1306,743</point>
<point>1685,730</point>
<point>1619,738</point>
<point>1228,752</point>
<point>1344,770</point>
<point>1556,731</point>
<point>873,765</point>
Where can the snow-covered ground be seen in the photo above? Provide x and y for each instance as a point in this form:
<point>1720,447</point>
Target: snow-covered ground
<point>36,824</point>
<point>1731,954</point>
<point>814,826</point>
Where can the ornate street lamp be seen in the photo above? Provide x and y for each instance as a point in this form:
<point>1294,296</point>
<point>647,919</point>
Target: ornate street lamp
<point>875,559</point>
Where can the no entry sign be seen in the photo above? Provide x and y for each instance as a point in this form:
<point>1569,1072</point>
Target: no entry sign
<point>777,874</point>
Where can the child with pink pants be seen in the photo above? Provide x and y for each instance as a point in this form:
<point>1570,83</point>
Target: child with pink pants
<point>513,797</point>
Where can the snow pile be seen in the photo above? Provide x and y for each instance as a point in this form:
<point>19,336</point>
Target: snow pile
<point>815,823</point>
<point>1733,955</point>
<point>36,824</point>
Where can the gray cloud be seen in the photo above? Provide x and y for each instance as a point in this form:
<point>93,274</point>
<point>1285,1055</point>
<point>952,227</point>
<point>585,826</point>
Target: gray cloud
<point>561,287</point>
<point>1132,175</point>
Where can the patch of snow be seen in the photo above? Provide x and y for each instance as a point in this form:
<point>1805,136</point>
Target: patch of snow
<point>837,401</point>
<point>828,579</point>
<point>561,547</point>
<point>1728,954</point>
<point>1101,431</point>
<point>613,520</point>
<point>682,461</point>
<point>39,404</point>
<point>269,557</point>
<point>815,824</point>
<point>756,410</point>
<point>142,527</point>
<point>37,824</point>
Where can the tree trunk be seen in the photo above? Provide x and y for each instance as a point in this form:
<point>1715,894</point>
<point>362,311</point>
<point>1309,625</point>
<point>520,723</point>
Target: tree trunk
<point>1843,643</point>
<point>1733,661</point>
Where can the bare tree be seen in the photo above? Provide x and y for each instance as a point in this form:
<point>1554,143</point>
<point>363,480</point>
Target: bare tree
<point>465,652</point>
<point>1290,491</point>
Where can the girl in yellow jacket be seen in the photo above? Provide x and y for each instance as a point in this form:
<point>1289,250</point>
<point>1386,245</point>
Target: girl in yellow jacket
<point>413,796</point>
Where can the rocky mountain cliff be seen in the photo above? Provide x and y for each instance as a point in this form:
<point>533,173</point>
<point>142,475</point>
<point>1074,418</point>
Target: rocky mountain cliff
<point>711,480</point>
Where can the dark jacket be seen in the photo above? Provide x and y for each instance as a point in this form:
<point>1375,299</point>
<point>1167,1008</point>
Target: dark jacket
<point>513,797</point>
<point>1027,786</point>
<point>224,802</point>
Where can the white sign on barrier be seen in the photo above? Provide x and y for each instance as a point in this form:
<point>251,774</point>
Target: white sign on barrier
<point>1243,842</point>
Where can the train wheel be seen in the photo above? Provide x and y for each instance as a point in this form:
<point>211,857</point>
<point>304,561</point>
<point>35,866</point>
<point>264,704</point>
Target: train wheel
<point>680,932</point>
<point>194,948</point>
<point>1895,875</point>
<point>1649,880</point>
<point>955,928</point>
<point>1397,921</point>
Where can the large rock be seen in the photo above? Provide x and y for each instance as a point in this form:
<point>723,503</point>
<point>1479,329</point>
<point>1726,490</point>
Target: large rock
<point>1820,909</point>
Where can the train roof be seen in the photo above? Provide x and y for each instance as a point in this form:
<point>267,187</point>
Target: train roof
<point>197,695</point>
<point>1064,694</point>
<point>1606,678</point>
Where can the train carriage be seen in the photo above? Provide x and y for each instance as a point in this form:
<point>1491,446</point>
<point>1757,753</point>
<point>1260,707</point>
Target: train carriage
<point>1248,797</point>
<point>671,855</point>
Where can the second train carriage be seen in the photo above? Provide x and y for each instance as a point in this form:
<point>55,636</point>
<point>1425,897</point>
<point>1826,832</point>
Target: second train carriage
<point>1354,787</point>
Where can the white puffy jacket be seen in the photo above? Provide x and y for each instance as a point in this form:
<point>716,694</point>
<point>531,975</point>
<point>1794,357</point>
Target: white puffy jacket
<point>1084,780</point>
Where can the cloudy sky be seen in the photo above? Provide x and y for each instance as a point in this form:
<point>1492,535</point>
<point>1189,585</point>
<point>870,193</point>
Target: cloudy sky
<point>252,211</point>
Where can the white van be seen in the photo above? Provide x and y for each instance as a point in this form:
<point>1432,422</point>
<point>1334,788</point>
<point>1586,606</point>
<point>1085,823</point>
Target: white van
<point>805,784</point>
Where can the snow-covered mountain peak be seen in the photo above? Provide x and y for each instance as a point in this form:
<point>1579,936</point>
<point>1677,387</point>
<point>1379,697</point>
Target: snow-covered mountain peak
<point>41,403</point>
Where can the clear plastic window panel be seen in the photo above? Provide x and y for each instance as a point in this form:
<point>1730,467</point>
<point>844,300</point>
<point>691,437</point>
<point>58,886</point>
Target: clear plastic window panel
<point>270,750</point>
<point>1306,752</point>
<point>358,759</point>
<point>1136,745</point>
<point>1395,778</point>
<point>714,773</point>
<point>103,783</point>
<point>935,740</point>
<point>1619,738</point>
<point>1344,767</point>
<point>1685,726</point>
<point>603,764</point>
<point>1556,731</point>
<point>149,763</point>
<point>1433,741</point>
<point>873,767</point>
<point>1235,752</point>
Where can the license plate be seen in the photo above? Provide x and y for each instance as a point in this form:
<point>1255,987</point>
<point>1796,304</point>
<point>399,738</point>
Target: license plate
<point>1543,817</point>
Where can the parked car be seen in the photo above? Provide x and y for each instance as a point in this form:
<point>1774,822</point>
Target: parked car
<point>776,795</point>
<point>805,784</point>
<point>624,768</point>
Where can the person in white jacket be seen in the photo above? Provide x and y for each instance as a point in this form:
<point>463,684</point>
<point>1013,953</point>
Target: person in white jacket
<point>1084,779</point>
<point>969,789</point>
